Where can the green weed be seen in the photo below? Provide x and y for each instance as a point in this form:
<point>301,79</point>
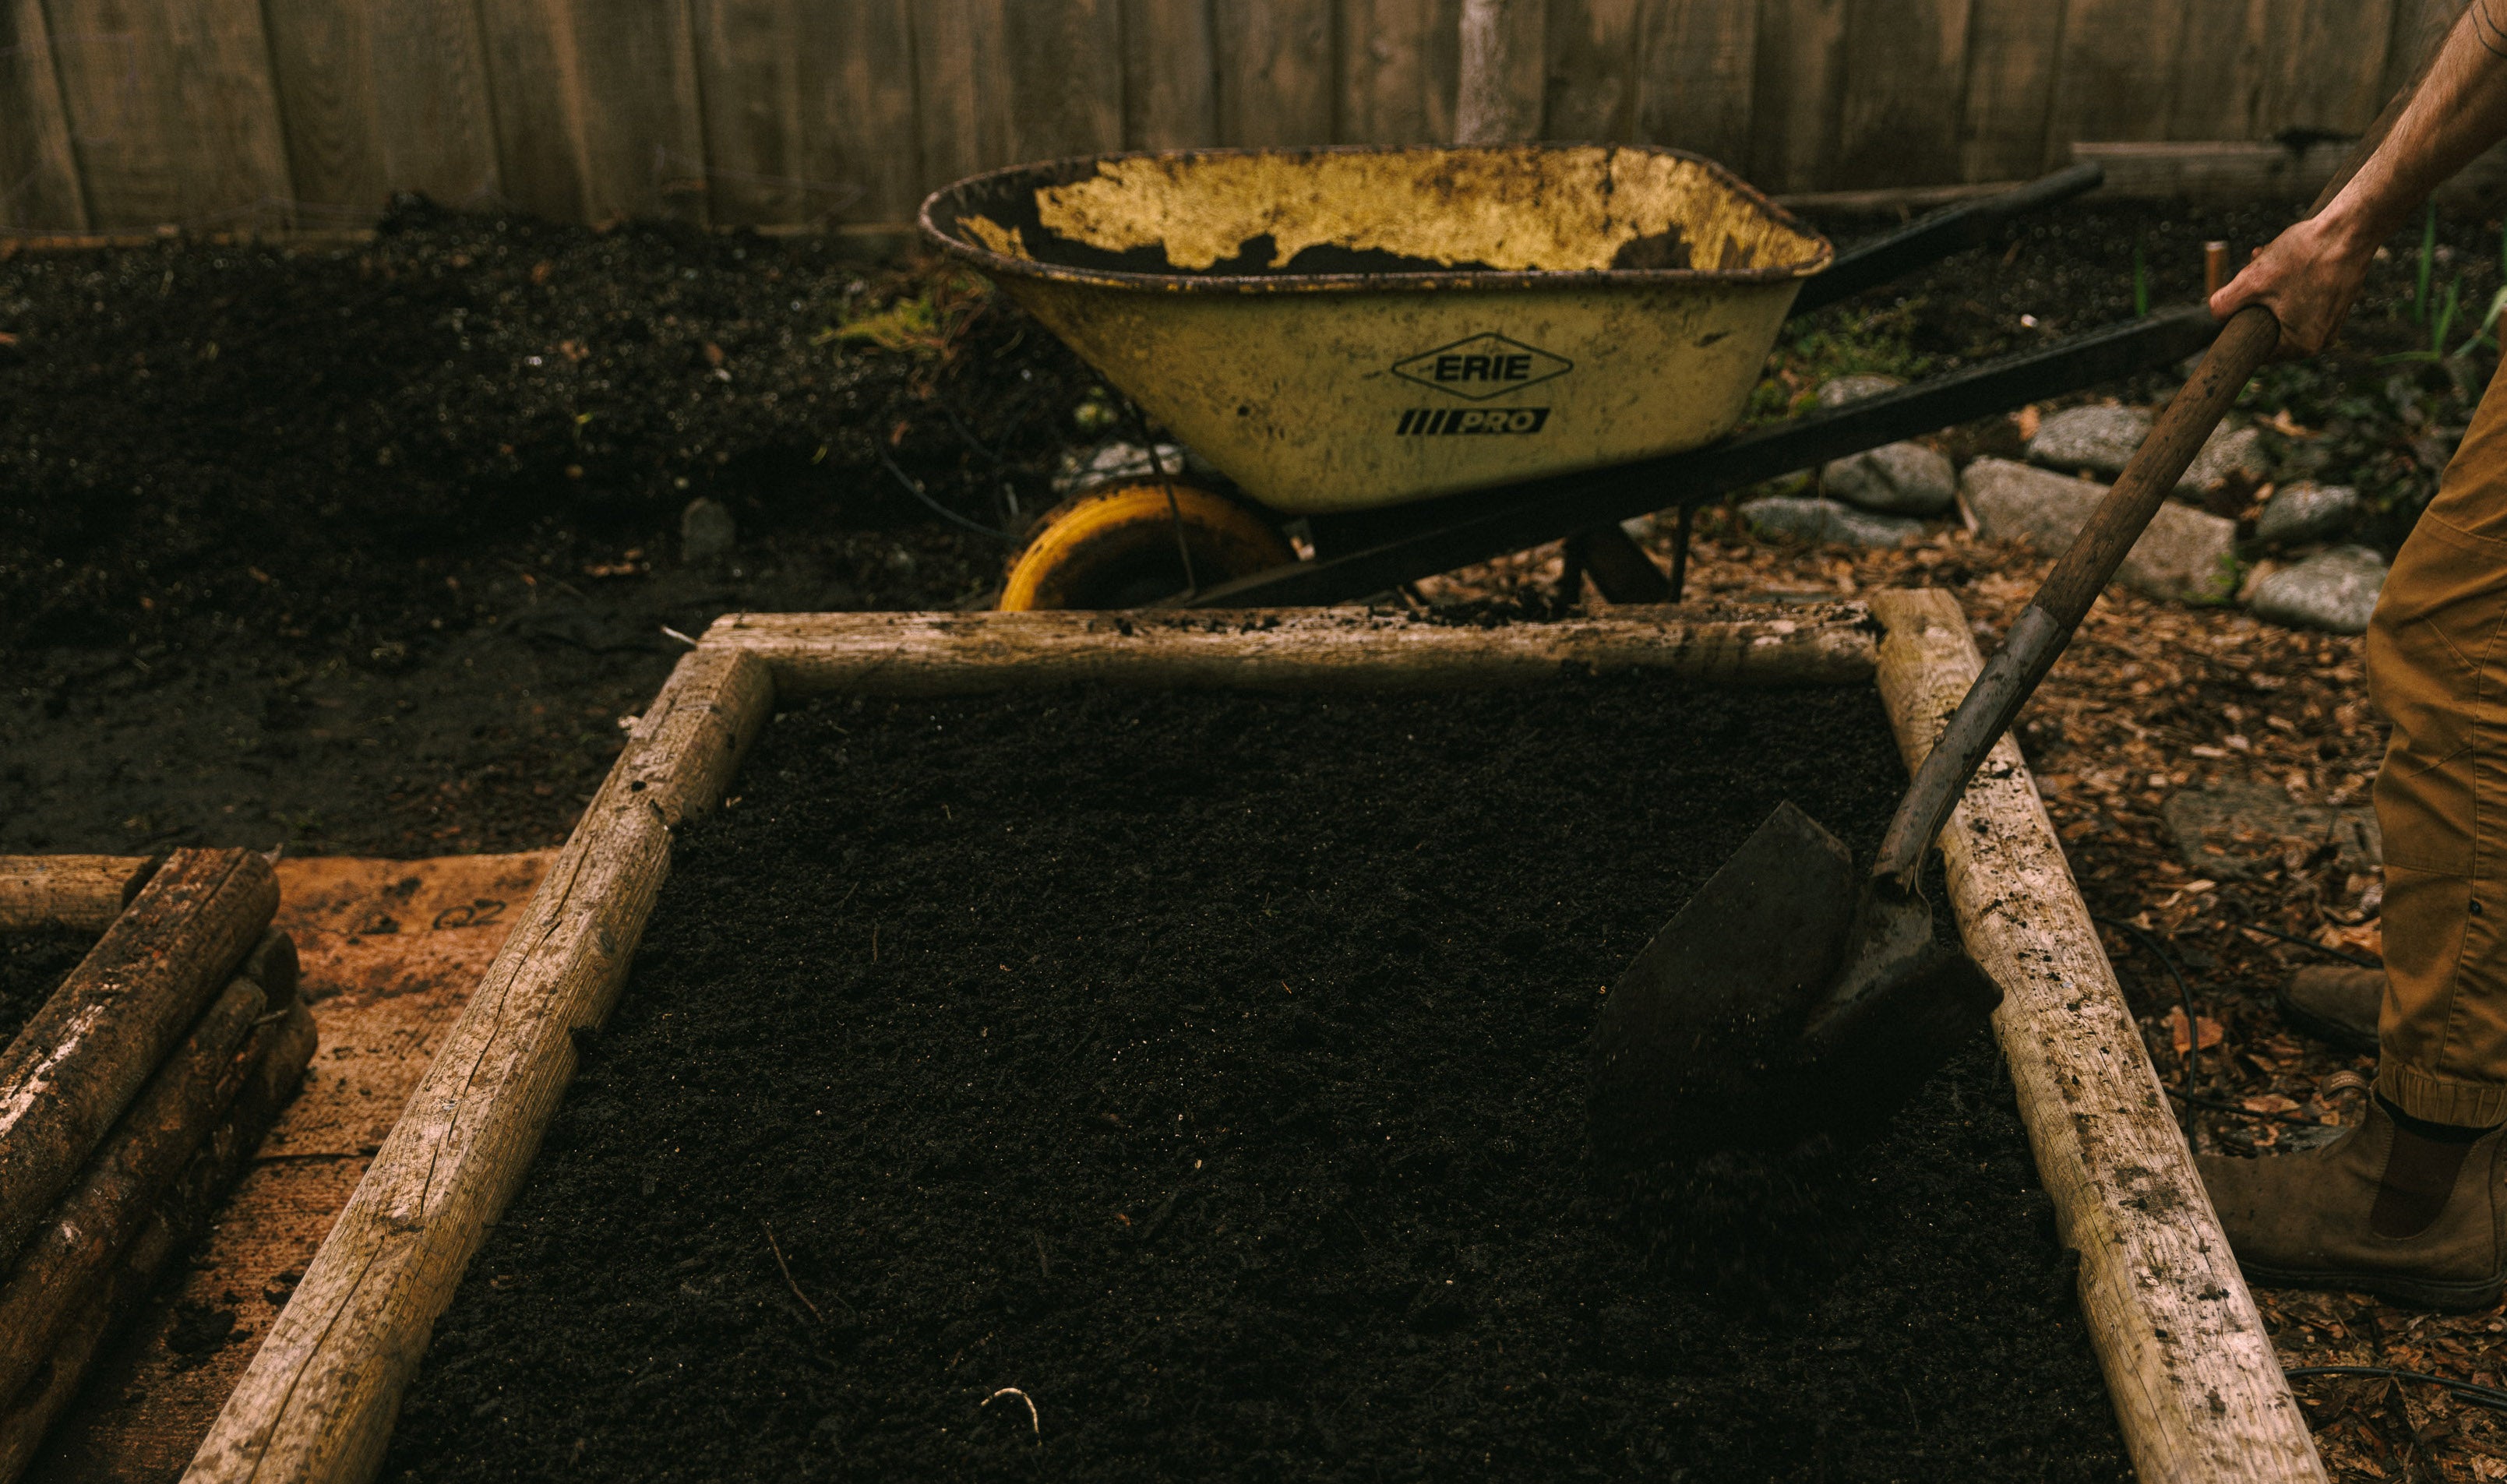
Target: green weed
<point>1826,345</point>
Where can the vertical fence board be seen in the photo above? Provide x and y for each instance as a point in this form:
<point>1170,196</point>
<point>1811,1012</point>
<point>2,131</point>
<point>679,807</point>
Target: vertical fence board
<point>748,68</point>
<point>432,110</point>
<point>39,179</point>
<point>643,135</point>
<point>1796,101</point>
<point>962,96</point>
<point>1700,60</point>
<point>1594,51</point>
<point>536,84</point>
<point>859,125</point>
<point>2418,26</point>
<point>2116,76</point>
<point>1170,81</point>
<point>2223,54</point>
<point>131,113</point>
<point>808,111</point>
<point>1401,61</point>
<point>1066,78</point>
<point>2332,71</point>
<point>2010,49</point>
<point>380,99</point>
<point>1276,72</point>
<point>174,111</point>
<point>322,55</point>
<point>1905,69</point>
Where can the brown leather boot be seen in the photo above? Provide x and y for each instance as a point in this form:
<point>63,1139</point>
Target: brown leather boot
<point>2381,1210</point>
<point>2338,1004</point>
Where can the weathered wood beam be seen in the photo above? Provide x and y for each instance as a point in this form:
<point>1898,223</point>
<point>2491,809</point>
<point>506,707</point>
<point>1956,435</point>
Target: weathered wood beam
<point>76,1246</point>
<point>81,893</point>
<point>924,654</point>
<point>320,1397</point>
<point>2188,1362</point>
<point>279,1052</point>
<point>78,1062</point>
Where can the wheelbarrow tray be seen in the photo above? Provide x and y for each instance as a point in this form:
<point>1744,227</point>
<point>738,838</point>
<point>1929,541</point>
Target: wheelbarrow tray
<point>2188,1365</point>
<point>1345,328</point>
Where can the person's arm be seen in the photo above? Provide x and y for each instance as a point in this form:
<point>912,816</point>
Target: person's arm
<point>2311,273</point>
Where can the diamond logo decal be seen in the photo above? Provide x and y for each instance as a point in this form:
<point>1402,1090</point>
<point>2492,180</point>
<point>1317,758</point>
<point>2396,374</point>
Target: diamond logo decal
<point>1482,367</point>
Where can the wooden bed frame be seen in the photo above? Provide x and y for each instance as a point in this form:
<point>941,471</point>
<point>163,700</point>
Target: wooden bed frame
<point>2187,1360</point>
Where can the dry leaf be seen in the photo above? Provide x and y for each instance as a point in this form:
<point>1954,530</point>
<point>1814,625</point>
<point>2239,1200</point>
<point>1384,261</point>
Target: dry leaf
<point>2176,1032</point>
<point>2368,938</point>
<point>2269,1103</point>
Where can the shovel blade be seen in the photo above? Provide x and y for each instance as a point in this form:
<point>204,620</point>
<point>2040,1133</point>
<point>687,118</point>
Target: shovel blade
<point>1711,1011</point>
<point>1789,998</point>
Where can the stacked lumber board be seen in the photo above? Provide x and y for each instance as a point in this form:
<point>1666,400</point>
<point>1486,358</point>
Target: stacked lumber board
<point>131,1101</point>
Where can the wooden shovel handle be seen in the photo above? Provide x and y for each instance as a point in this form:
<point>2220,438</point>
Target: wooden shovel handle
<point>2037,639</point>
<point>2038,636</point>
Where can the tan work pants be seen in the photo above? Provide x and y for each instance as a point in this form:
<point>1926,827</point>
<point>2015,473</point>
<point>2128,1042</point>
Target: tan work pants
<point>2437,671</point>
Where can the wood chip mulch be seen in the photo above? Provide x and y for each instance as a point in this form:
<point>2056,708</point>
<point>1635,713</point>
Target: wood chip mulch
<point>2153,698</point>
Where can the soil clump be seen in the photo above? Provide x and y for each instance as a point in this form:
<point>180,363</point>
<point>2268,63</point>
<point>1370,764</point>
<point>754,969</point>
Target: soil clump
<point>1210,1069</point>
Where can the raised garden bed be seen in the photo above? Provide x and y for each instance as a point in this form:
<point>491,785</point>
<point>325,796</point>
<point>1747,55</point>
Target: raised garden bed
<point>1614,1367</point>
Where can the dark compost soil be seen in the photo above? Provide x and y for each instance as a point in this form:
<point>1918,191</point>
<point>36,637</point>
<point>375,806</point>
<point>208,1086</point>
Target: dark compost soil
<point>32,964</point>
<point>297,545</point>
<point>1210,1069</point>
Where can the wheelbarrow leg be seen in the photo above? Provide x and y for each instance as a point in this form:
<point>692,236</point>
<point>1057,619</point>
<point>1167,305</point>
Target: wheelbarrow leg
<point>1621,569</point>
<point>1680,553</point>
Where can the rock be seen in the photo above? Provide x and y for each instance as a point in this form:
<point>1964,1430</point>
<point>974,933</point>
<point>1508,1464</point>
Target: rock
<point>2235,831</point>
<point>1899,478</point>
<point>1802,519</point>
<point>2226,454</point>
<point>1109,462</point>
<point>2185,553</point>
<point>2098,439</point>
<point>2307,512</point>
<point>2103,440</point>
<point>2335,591</point>
<point>1836,391</point>
<point>707,531</point>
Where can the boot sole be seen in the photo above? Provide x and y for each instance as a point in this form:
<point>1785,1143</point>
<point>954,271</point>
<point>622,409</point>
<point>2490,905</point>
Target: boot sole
<point>2327,1030</point>
<point>2394,1287</point>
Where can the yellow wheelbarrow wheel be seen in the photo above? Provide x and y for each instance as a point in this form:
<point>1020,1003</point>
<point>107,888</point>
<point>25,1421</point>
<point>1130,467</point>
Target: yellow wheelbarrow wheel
<point>1116,547</point>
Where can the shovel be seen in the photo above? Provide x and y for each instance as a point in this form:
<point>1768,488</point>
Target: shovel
<point>1792,999</point>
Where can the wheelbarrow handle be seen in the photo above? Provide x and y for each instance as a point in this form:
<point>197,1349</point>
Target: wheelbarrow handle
<point>1939,234</point>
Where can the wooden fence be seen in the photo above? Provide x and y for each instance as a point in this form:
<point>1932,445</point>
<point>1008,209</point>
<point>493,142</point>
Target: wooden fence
<point>254,113</point>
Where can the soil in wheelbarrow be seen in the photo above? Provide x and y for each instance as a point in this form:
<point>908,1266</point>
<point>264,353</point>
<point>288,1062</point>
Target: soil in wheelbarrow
<point>1209,1068</point>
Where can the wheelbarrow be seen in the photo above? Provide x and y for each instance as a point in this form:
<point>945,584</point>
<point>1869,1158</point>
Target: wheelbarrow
<point>1419,358</point>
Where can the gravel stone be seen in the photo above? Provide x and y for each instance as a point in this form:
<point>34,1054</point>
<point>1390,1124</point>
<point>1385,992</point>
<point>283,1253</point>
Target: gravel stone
<point>1801,518</point>
<point>1898,479</point>
<point>2098,439</point>
<point>1836,391</point>
<point>2103,440</point>
<point>2336,591</point>
<point>2226,454</point>
<point>706,532</point>
<point>1106,463</point>
<point>2185,553</point>
<point>2307,511</point>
